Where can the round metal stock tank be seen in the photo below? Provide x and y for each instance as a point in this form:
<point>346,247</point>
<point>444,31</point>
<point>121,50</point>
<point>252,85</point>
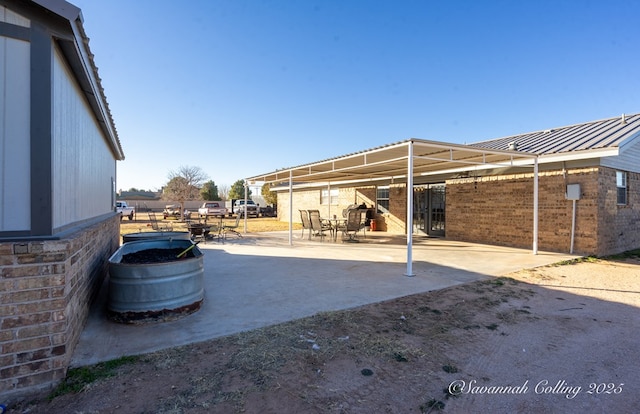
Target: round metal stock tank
<point>141,291</point>
<point>152,235</point>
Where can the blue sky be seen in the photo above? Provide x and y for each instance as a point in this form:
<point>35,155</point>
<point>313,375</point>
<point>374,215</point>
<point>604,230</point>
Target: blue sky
<point>239,88</point>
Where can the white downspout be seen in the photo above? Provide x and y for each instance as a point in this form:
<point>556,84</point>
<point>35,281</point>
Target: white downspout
<point>573,225</point>
<point>409,222</point>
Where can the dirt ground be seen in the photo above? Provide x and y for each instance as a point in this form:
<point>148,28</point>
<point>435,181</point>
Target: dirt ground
<point>556,339</point>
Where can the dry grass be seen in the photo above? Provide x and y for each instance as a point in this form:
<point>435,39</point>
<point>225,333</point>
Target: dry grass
<point>255,225</point>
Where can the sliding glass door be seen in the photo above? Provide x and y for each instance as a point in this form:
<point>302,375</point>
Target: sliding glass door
<point>429,209</point>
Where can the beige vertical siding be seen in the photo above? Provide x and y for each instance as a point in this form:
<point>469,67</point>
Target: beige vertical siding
<point>83,163</point>
<point>15,213</point>
<point>627,161</point>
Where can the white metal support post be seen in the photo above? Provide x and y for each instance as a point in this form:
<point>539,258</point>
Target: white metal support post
<point>329,203</point>
<point>535,205</point>
<point>246,196</point>
<point>290,208</point>
<point>409,222</point>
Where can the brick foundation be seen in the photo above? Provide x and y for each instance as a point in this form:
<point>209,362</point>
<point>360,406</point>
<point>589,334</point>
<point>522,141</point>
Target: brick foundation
<point>47,288</point>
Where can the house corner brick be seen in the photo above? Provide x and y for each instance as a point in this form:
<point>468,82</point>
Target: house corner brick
<point>47,303</point>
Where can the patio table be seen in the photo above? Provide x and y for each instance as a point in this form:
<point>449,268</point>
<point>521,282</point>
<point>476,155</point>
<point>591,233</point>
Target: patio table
<point>334,222</point>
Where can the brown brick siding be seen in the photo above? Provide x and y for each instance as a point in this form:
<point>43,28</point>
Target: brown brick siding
<point>619,225</point>
<point>310,199</point>
<point>499,210</point>
<point>47,288</point>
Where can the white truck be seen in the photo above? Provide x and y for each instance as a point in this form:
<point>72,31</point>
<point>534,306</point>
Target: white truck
<point>125,210</point>
<point>251,208</point>
<point>212,208</point>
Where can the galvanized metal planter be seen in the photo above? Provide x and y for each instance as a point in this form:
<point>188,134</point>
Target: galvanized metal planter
<point>153,235</point>
<point>159,291</point>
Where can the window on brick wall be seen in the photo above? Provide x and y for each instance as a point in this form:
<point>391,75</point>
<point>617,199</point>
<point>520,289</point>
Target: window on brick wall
<point>382,197</point>
<point>621,184</point>
<point>329,196</point>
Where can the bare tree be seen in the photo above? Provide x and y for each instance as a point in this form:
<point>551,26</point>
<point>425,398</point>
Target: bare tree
<point>223,191</point>
<point>184,184</point>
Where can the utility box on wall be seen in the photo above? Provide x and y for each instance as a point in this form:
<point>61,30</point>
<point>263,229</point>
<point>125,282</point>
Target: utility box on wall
<point>573,192</point>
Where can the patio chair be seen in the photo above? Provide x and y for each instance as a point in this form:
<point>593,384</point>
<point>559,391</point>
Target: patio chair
<point>155,224</point>
<point>353,225</point>
<point>199,230</point>
<point>231,228</point>
<point>306,223</point>
<point>317,226</point>
<point>346,210</point>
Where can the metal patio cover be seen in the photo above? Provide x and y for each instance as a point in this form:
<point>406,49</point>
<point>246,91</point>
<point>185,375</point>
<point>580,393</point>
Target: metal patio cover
<point>401,162</point>
<point>391,161</point>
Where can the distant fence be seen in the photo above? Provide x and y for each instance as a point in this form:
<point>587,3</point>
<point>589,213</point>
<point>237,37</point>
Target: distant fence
<point>159,205</point>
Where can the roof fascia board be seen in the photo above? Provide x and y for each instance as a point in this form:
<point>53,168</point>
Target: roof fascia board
<point>60,7</point>
<point>545,159</point>
<point>579,155</point>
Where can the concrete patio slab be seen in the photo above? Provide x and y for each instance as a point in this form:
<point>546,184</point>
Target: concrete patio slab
<point>260,280</point>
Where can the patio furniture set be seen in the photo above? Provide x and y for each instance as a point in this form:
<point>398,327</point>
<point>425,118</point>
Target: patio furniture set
<point>201,231</point>
<point>205,231</point>
<point>350,224</point>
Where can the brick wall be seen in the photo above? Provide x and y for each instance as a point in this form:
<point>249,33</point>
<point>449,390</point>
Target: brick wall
<point>619,225</point>
<point>392,222</point>
<point>499,210</point>
<point>310,199</point>
<point>46,288</point>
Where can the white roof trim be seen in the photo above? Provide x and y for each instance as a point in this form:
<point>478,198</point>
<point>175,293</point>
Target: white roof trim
<point>579,155</point>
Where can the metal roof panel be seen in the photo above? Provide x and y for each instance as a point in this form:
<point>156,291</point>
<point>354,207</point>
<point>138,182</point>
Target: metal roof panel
<point>605,133</point>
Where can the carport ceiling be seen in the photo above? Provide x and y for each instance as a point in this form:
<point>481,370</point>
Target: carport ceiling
<point>391,161</point>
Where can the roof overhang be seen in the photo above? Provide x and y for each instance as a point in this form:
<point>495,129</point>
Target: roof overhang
<point>390,162</point>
